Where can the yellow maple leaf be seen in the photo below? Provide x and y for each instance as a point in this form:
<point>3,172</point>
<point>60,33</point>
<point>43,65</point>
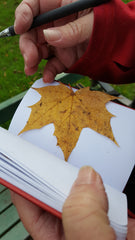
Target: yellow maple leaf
<point>70,112</point>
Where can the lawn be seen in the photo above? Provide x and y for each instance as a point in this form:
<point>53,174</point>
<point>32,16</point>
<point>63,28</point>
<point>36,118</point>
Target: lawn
<point>12,77</point>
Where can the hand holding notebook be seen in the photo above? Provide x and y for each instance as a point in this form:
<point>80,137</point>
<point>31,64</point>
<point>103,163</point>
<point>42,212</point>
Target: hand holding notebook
<point>42,181</point>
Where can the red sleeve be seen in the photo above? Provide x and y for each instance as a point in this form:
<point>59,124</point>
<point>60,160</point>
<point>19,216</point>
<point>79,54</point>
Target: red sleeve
<point>110,56</point>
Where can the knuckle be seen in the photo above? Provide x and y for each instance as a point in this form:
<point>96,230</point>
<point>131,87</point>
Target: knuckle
<point>26,14</point>
<point>75,29</point>
<point>24,11</point>
<point>18,9</point>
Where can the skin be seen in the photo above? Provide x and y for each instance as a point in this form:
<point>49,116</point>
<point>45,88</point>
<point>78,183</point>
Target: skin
<point>85,210</point>
<point>68,42</point>
<point>84,213</point>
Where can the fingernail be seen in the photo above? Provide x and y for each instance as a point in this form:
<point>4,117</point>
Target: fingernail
<point>87,175</point>
<point>52,35</point>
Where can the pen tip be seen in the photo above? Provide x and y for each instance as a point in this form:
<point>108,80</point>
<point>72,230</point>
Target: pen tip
<point>4,33</point>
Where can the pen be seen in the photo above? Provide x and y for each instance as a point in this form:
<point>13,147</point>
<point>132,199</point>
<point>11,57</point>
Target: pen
<point>56,14</point>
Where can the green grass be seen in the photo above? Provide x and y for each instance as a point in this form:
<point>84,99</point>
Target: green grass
<point>12,77</point>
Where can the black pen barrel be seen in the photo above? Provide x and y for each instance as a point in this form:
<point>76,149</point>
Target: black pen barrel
<point>61,12</point>
<point>12,31</point>
<point>64,11</point>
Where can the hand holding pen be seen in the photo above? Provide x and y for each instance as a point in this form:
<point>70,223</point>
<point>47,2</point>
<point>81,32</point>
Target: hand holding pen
<point>68,37</point>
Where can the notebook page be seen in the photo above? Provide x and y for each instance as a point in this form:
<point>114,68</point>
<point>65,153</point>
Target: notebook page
<point>92,148</point>
<point>51,170</point>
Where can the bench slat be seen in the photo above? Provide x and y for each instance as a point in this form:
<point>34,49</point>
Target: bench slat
<point>18,232</point>
<point>7,219</point>
<point>2,188</point>
<point>8,107</point>
<point>5,200</point>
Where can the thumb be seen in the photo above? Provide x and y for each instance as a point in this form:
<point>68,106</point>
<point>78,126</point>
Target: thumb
<point>72,33</point>
<point>85,210</point>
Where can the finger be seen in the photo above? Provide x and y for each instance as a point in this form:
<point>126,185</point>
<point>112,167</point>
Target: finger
<point>29,49</point>
<point>52,68</point>
<point>32,51</point>
<point>131,229</point>
<point>72,33</point>
<point>28,9</point>
<point>24,15</point>
<point>85,210</point>
<point>47,5</point>
<point>30,71</point>
<point>40,224</point>
<point>28,212</point>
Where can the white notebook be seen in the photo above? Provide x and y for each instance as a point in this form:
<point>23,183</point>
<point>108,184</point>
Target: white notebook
<point>112,162</point>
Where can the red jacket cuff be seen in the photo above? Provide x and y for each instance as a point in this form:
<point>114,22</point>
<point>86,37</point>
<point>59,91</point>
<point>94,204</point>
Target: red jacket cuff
<point>110,56</point>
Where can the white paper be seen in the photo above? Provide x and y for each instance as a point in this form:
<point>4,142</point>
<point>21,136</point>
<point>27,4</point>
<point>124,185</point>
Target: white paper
<point>112,162</point>
<point>49,178</point>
